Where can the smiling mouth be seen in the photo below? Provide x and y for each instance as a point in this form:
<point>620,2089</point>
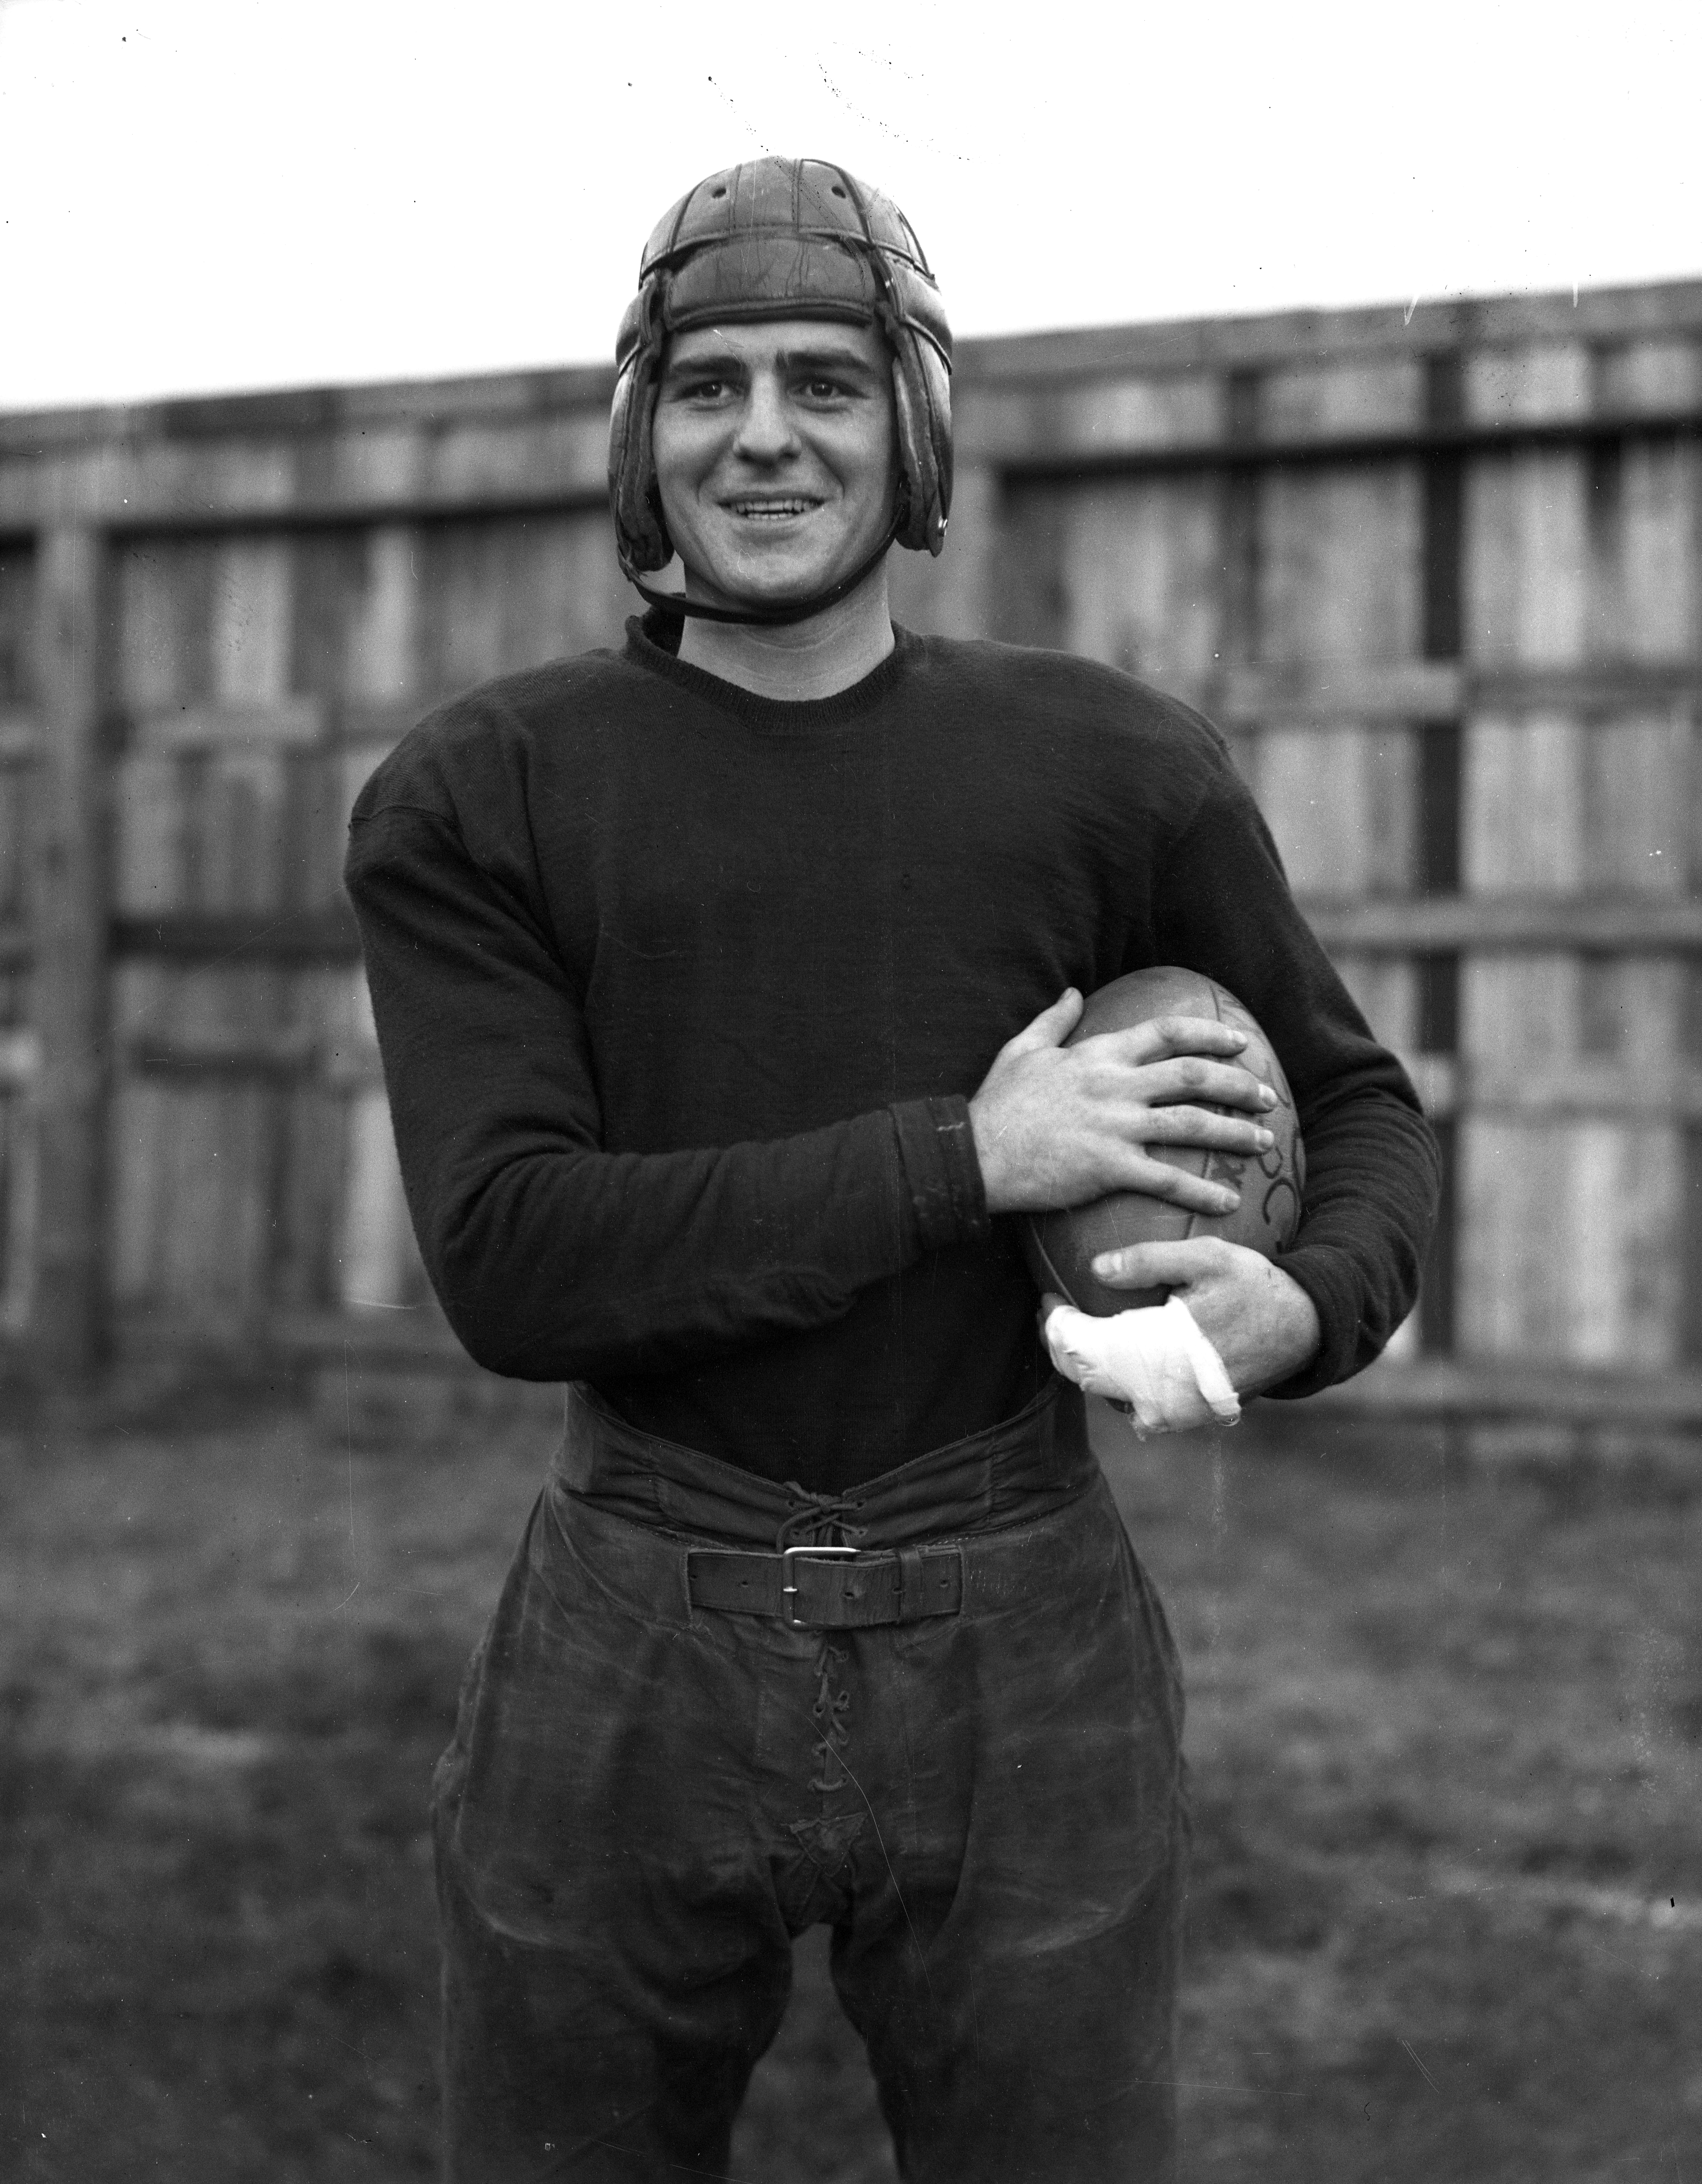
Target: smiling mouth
<point>771,510</point>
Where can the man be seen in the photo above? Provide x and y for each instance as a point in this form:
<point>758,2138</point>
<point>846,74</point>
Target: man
<point>722,983</point>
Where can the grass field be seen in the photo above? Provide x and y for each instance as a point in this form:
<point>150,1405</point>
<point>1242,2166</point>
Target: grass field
<point>1446,1732</point>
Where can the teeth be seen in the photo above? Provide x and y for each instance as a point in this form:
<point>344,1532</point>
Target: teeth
<point>770,507</point>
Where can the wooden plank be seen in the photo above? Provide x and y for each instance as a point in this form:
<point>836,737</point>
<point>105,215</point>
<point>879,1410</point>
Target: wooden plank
<point>1657,310</point>
<point>239,813</point>
<point>1660,375</point>
<point>1467,1390</point>
<point>218,1149</point>
<point>138,1209</point>
<point>205,726</point>
<point>1599,1088</point>
<point>14,808</point>
<point>1603,687</point>
<point>1526,559</point>
<point>1044,460</point>
<point>1567,1249</point>
<point>568,593</point>
<point>1637,792</point>
<point>464,626</point>
<point>1635,798</point>
<point>252,621</point>
<point>1493,924</point>
<point>1690,1246</point>
<point>1296,692</point>
<point>376,1239</point>
<point>950,595</point>
<point>1340,573</point>
<point>147,849</point>
<point>67,1312</point>
<point>381,631</point>
<point>1339,569</point>
<point>1342,803</point>
<point>542,587</point>
<point>312,1120</point>
<point>17,624</point>
<point>1385,988</point>
<point>1115,416</point>
<point>1546,380</point>
<point>519,460</point>
<point>1325,399</point>
<point>1660,544</point>
<point>1527,566</point>
<point>21,734</point>
<point>1489,924</point>
<point>164,596</point>
<point>379,1263</point>
<point>323,935</point>
<point>1285,693</point>
<point>1135,578</point>
<point>1524,793</point>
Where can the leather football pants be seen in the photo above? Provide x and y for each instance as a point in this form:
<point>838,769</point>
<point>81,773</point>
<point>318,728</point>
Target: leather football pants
<point>982,1794</point>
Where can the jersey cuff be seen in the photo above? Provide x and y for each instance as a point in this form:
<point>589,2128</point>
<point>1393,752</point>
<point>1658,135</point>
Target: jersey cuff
<point>936,1147</point>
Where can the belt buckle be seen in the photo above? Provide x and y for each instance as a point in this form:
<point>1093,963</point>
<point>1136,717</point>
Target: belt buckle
<point>789,1592</point>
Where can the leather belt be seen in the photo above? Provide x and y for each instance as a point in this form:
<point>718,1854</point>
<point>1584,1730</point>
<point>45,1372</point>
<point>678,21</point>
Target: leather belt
<point>824,1588</point>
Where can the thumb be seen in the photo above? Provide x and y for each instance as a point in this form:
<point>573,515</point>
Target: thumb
<point>1052,1027</point>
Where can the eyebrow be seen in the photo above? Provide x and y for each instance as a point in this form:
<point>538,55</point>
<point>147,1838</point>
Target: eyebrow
<point>698,362</point>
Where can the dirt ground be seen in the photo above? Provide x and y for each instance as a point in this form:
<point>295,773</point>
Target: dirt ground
<point>1445,1728</point>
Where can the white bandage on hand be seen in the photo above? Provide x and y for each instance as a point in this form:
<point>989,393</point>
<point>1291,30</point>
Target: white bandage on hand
<point>1155,1359</point>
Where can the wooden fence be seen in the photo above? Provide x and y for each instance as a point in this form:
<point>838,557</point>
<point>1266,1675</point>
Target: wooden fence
<point>1437,574</point>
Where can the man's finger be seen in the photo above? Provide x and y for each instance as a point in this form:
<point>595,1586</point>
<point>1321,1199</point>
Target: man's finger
<point>1163,1266</point>
<point>1162,1037</point>
<point>1175,1186</point>
<point>1051,1027</point>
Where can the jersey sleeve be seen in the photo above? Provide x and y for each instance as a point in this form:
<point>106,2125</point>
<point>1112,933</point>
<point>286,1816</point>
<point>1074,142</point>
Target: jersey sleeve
<point>553,1258</point>
<point>1372,1167</point>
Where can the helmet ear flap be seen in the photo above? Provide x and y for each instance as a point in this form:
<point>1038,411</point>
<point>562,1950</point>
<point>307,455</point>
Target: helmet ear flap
<point>921,395</point>
<point>641,534</point>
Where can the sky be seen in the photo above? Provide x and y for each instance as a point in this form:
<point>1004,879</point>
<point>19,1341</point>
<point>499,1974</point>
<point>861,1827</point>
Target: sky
<point>199,195</point>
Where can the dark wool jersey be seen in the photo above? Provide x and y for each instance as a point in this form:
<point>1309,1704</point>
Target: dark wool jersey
<point>681,993</point>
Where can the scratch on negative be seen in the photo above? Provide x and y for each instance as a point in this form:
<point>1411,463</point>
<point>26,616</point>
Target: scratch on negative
<point>1422,2072</point>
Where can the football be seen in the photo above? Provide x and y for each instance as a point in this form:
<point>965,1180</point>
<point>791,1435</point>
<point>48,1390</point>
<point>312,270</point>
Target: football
<point>1061,1247</point>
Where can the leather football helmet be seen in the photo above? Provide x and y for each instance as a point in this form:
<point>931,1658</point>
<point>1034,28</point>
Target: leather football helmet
<point>784,239</point>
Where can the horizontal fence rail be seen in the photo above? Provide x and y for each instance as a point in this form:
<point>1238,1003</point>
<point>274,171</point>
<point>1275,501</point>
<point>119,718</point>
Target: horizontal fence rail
<point>1436,576</point>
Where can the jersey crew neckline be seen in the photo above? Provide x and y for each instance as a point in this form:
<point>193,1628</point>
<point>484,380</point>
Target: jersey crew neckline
<point>648,646</point>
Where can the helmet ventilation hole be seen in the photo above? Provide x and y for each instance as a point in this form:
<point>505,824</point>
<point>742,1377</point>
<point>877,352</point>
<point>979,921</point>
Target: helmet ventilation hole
<point>717,193</point>
<point>838,191</point>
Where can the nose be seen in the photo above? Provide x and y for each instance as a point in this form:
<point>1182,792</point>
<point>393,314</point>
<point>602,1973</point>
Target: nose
<point>767,433</point>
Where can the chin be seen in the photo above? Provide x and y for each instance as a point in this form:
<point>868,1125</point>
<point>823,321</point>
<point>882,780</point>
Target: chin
<point>769,586</point>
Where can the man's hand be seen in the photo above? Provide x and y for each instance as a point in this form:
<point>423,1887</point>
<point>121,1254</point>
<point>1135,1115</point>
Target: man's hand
<point>1057,1126</point>
<point>1260,1321</point>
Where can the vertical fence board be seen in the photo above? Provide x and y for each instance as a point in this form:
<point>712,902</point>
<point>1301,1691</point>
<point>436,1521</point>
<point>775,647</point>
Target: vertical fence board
<point>1339,580</point>
<point>380,1263</point>
<point>1660,585</point>
<point>66,1308</point>
<point>18,673</point>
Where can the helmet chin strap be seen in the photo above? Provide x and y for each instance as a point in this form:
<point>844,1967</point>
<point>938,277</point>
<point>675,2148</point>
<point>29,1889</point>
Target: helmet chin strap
<point>774,617</point>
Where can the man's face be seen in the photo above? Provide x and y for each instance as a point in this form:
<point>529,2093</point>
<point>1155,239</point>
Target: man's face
<point>775,452</point>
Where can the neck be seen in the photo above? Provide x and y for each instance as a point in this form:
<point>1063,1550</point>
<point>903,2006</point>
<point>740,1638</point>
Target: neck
<point>799,659</point>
